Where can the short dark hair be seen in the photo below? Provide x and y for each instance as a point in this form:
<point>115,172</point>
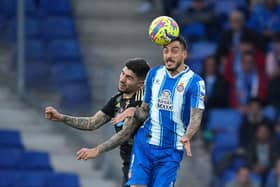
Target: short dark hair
<point>182,41</point>
<point>139,66</point>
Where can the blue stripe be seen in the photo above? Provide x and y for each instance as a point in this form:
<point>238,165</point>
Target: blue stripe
<point>184,108</point>
<point>160,115</point>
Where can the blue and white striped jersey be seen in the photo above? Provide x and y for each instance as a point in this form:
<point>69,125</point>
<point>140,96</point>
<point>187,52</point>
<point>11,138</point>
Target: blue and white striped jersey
<point>170,100</point>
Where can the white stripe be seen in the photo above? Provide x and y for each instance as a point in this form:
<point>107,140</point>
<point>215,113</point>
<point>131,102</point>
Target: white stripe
<point>202,94</point>
<point>177,107</point>
<point>155,118</point>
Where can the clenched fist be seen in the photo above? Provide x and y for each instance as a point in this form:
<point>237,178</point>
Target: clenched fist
<point>52,114</point>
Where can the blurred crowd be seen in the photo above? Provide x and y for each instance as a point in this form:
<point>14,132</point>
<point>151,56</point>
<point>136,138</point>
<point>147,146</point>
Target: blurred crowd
<point>235,46</point>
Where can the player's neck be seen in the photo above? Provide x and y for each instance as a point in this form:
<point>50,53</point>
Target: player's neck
<point>127,95</point>
<point>178,70</point>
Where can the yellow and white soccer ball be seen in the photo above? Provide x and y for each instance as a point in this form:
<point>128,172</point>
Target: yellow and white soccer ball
<point>163,30</point>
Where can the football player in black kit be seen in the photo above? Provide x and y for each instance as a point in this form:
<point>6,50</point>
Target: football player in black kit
<point>130,92</point>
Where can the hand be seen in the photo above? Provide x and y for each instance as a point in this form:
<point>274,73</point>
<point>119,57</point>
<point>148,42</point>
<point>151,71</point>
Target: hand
<point>129,112</point>
<point>187,145</point>
<point>85,153</point>
<point>52,114</point>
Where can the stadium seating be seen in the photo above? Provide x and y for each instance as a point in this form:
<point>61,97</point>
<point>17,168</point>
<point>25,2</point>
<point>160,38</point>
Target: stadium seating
<point>58,27</point>
<point>33,160</point>
<point>21,168</point>
<point>10,139</point>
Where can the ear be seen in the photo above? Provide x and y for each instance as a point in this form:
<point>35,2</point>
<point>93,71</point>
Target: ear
<point>185,54</point>
<point>141,83</point>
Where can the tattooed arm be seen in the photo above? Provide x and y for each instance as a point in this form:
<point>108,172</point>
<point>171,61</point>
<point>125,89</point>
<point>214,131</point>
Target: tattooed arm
<point>194,124</point>
<point>130,126</point>
<point>193,127</point>
<point>86,123</point>
<point>83,123</point>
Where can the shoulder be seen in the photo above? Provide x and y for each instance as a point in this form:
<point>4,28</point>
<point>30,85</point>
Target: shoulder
<point>154,70</point>
<point>196,77</point>
<point>116,96</point>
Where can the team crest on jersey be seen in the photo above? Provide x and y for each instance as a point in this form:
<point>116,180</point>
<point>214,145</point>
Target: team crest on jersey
<point>180,87</point>
<point>164,101</point>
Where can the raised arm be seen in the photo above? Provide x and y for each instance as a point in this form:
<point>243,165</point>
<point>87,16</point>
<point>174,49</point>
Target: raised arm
<point>130,127</point>
<point>86,123</point>
<point>83,123</point>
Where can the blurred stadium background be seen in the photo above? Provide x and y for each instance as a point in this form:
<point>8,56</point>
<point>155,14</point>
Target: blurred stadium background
<point>68,54</point>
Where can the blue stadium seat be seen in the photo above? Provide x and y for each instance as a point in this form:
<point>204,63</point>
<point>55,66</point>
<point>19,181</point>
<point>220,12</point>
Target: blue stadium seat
<point>33,179</point>
<point>64,50</point>
<point>10,139</point>
<point>200,50</point>
<point>68,72</point>
<point>37,74</point>
<point>227,139</point>
<point>58,27</point>
<point>221,120</point>
<point>54,7</point>
<point>63,180</point>
<point>9,158</point>
<point>32,28</point>
<point>194,32</point>
<point>75,94</point>
<point>9,178</point>
<point>32,160</point>
<point>34,49</point>
<point>270,112</point>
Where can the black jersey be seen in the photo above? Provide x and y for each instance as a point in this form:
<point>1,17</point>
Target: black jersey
<point>116,105</point>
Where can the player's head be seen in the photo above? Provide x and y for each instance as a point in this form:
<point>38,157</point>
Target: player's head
<point>133,75</point>
<point>175,54</point>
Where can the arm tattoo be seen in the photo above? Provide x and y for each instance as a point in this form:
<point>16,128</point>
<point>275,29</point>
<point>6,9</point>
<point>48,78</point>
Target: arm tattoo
<point>130,126</point>
<point>86,123</point>
<point>141,113</point>
<point>194,124</point>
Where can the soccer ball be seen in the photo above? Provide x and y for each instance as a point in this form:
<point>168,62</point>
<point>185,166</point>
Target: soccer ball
<point>163,30</point>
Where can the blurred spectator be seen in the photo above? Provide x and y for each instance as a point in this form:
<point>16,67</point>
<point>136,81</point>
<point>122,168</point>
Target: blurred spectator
<point>273,57</point>
<point>274,88</point>
<point>274,177</point>
<point>198,12</point>
<point>247,83</point>
<point>146,6</point>
<point>167,6</point>
<point>265,18</point>
<point>252,119</point>
<point>223,8</point>
<point>242,179</point>
<point>262,152</point>
<point>217,87</point>
<point>230,39</point>
<point>277,131</point>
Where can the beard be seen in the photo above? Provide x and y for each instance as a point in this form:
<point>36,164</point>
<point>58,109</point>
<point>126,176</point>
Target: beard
<point>172,69</point>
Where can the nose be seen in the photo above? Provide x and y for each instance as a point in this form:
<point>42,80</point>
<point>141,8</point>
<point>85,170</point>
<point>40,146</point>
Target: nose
<point>122,78</point>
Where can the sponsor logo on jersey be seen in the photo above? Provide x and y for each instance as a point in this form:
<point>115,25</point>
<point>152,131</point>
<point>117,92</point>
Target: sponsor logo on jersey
<point>164,101</point>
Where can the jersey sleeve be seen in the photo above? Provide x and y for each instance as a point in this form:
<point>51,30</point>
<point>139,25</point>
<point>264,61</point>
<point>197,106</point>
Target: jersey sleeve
<point>148,88</point>
<point>198,94</point>
<point>108,108</point>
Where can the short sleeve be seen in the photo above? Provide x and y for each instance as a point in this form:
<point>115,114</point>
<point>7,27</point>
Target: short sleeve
<point>108,108</point>
<point>198,95</point>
